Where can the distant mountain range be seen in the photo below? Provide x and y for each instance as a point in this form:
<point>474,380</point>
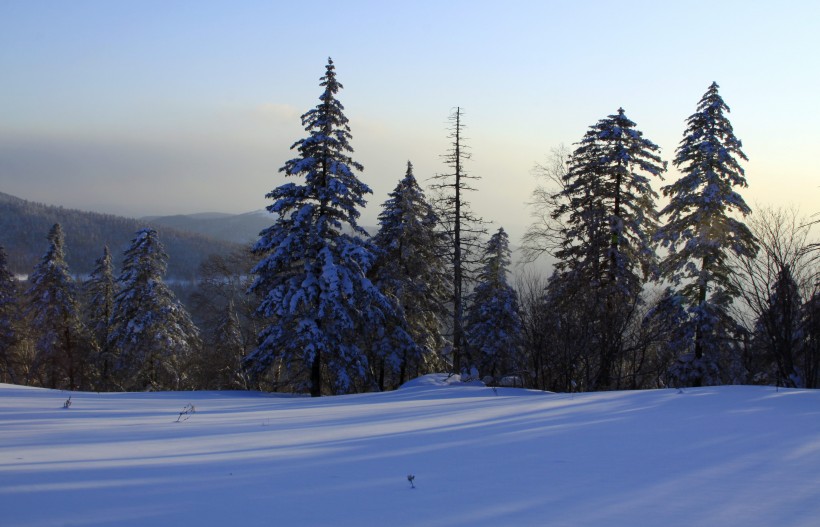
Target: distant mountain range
<point>188,239</point>
<point>237,228</point>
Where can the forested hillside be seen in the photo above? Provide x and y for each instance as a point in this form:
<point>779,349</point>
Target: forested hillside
<point>25,224</point>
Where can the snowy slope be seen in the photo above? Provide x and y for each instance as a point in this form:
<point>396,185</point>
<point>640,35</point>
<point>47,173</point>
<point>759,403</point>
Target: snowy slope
<point>708,457</point>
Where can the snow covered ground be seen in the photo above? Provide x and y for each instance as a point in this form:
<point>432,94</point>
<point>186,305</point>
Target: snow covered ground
<point>723,456</point>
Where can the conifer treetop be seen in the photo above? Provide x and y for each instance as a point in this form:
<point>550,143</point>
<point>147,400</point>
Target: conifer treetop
<point>607,204</point>
<point>709,156</point>
<point>497,258</point>
<point>701,224</point>
<point>146,259</point>
<point>52,270</point>
<point>324,161</point>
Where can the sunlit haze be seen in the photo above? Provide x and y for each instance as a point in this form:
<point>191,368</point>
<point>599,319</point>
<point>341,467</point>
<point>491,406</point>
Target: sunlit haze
<point>157,107</point>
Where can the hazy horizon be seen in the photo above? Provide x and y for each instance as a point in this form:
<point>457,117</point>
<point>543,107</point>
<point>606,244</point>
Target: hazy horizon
<point>149,108</point>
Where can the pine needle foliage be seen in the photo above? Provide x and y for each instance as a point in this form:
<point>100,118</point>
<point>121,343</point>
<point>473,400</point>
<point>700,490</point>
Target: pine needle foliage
<point>314,260</point>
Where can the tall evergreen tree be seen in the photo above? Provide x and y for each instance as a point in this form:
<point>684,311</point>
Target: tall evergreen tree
<point>608,205</point>
<point>702,229</point>
<point>493,322</point>
<point>608,217</point>
<point>55,319</point>
<point>220,365</point>
<point>462,227</point>
<point>152,334</point>
<point>9,317</point>
<point>412,268</point>
<point>312,272</point>
<point>100,291</point>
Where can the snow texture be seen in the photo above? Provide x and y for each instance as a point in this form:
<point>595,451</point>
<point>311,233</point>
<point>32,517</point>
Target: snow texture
<point>717,456</point>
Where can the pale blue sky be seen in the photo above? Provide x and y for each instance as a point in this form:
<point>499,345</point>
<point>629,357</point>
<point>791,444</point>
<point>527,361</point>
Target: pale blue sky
<point>163,107</point>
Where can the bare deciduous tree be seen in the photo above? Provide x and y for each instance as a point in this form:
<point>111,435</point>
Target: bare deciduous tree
<point>543,236</point>
<point>773,285</point>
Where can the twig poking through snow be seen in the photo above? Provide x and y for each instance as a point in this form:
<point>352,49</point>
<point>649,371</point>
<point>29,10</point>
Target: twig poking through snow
<point>187,411</point>
<point>67,403</point>
<point>410,478</point>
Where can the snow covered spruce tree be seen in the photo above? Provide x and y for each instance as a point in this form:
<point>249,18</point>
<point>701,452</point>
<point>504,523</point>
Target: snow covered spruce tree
<point>463,229</point>
<point>152,334</point>
<point>608,216</point>
<point>493,323</point>
<point>412,267</point>
<point>100,290</point>
<point>60,359</point>
<point>323,309</point>
<point>702,230</point>
<point>9,320</point>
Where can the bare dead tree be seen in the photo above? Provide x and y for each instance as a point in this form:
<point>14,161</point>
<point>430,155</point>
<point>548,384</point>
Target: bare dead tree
<point>463,228</point>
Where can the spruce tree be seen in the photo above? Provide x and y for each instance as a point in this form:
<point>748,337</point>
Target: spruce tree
<point>9,318</point>
<point>608,217</point>
<point>312,275</point>
<point>100,291</point>
<point>152,334</point>
<point>702,229</point>
<point>412,268</point>
<point>55,319</point>
<point>493,322</point>
<point>221,365</point>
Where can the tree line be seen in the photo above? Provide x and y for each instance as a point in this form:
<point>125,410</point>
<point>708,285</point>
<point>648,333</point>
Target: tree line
<point>106,333</point>
<point>685,295</point>
<point>697,292</point>
<point>24,223</point>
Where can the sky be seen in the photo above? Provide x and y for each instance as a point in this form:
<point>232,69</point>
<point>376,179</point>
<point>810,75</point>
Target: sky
<point>158,107</point>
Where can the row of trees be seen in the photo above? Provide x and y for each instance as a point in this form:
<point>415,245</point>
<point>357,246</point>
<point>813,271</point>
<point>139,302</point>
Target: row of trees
<point>107,333</point>
<point>348,312</point>
<point>24,223</point>
<point>335,310</point>
<point>639,297</point>
<point>636,301</point>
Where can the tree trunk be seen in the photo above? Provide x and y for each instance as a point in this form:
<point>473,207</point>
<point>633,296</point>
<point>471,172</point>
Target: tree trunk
<point>458,331</point>
<point>698,380</point>
<point>316,375</point>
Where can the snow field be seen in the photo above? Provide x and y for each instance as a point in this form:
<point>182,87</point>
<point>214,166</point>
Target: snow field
<point>710,456</point>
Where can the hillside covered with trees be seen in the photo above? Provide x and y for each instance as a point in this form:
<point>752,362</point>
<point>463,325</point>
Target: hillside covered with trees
<point>24,226</point>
